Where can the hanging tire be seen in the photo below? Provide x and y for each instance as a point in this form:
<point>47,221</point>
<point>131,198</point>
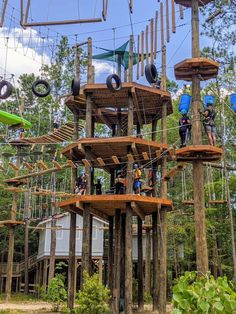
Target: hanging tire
<point>38,93</point>
<point>110,85</point>
<point>75,86</point>
<point>8,91</point>
<point>151,73</point>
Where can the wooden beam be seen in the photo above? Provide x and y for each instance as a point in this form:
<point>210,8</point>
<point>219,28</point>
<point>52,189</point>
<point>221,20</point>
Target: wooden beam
<point>152,40</point>
<point>101,162</point>
<point>167,22</point>
<point>86,163</point>
<point>136,104</point>
<point>64,22</point>
<point>56,164</point>
<point>134,150</point>
<point>142,53</point>
<point>137,210</point>
<point>173,16</point>
<point>138,59</point>
<point>4,7</point>
<point>130,158</point>
<point>42,165</point>
<point>155,35</point>
<point>145,156</point>
<point>27,165</point>
<point>115,159</point>
<point>147,52</point>
<point>15,167</point>
<point>71,164</point>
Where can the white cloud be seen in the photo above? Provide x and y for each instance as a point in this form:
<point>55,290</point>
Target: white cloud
<point>24,53</point>
<point>102,67</point>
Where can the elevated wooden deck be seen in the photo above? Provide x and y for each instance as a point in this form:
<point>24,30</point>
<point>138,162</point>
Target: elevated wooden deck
<point>188,3</point>
<point>104,206</point>
<point>110,152</point>
<point>199,152</point>
<point>148,102</point>
<point>11,223</point>
<point>205,68</point>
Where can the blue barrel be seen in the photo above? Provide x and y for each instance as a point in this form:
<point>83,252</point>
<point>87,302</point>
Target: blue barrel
<point>233,102</point>
<point>209,100</point>
<point>184,103</point>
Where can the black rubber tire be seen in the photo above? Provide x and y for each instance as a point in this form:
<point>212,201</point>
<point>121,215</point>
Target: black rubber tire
<point>45,84</point>
<point>117,80</point>
<point>75,86</point>
<point>9,89</point>
<point>151,73</point>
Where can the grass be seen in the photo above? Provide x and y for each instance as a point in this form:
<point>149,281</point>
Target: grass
<point>20,297</point>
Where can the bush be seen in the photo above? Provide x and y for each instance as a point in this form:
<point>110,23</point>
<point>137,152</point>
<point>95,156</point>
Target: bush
<point>56,291</point>
<point>94,297</point>
<point>193,294</point>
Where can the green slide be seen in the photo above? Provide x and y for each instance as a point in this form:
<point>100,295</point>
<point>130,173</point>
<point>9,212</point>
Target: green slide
<point>12,119</point>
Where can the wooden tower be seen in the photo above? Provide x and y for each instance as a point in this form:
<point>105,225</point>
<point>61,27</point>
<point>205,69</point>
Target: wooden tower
<point>197,69</point>
<point>124,112</point>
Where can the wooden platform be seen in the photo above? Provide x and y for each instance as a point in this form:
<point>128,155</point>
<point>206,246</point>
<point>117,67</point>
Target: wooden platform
<point>199,152</point>
<point>148,102</point>
<point>188,202</point>
<point>110,152</point>
<point>188,3</point>
<point>217,202</point>
<point>205,68</point>
<point>64,133</point>
<point>105,205</point>
<point>11,223</point>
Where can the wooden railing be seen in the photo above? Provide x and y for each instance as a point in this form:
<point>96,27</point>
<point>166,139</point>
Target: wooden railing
<point>18,267</point>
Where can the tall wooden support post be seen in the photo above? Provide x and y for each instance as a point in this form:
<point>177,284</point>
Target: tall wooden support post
<point>87,230</point>
<point>72,239</point>
<point>119,66</point>
<point>26,240</point>
<point>72,267</point>
<point>116,282</point>
<point>110,253</point>
<point>131,57</point>
<point>128,222</point>
<point>162,231</point>
<point>154,231</point>
<point>140,265</point>
<point>10,257</point>
<point>122,257</point>
<point>198,169</point>
<point>53,232</point>
<point>90,70</point>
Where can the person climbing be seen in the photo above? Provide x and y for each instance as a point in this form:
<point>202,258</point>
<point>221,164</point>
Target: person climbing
<point>209,123</point>
<point>98,187</point>
<point>56,120</point>
<point>119,183</point>
<point>81,184</point>
<point>184,128</point>
<point>137,176</point>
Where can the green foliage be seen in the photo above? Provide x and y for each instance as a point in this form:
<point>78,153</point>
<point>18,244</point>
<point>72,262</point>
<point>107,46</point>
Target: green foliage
<point>93,297</point>
<point>147,298</point>
<point>193,294</point>
<point>56,291</point>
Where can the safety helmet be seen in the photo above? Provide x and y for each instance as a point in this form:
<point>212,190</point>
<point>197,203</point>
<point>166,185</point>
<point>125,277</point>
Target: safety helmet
<point>135,166</point>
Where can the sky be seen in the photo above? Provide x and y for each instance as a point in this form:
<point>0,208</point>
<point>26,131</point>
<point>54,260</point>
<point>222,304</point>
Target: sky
<point>24,51</point>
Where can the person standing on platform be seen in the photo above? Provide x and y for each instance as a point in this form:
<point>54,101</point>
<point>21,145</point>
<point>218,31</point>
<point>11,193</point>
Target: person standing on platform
<point>184,128</point>
<point>137,179</point>
<point>56,120</point>
<point>209,123</point>
<point>98,187</point>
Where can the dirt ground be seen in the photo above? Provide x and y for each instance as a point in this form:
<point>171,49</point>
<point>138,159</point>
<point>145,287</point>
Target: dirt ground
<point>28,307</point>
<point>44,307</point>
